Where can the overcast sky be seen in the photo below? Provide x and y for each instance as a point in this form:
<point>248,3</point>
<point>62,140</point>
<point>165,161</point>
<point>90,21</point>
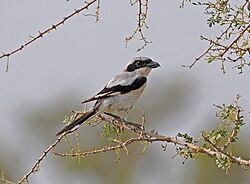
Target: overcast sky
<point>76,60</point>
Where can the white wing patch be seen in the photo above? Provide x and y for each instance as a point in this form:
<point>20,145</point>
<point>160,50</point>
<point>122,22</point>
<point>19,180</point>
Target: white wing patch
<point>124,79</point>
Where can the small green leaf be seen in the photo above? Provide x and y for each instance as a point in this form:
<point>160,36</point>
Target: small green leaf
<point>186,137</point>
<point>210,60</point>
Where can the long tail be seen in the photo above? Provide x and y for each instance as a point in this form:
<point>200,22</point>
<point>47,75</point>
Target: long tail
<point>75,124</point>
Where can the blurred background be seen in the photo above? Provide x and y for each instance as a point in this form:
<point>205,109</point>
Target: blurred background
<point>52,76</point>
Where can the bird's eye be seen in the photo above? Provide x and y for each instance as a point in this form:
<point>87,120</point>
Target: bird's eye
<point>140,63</point>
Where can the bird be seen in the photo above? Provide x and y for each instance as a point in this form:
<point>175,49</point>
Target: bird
<point>119,94</point>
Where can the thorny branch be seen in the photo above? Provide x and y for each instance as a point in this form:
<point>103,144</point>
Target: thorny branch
<point>102,150</point>
<point>219,152</point>
<point>35,167</point>
<point>152,136</point>
<point>235,129</point>
<point>142,16</point>
<point>212,44</point>
<point>97,12</point>
<point>231,15</point>
<point>53,27</point>
<point>186,146</point>
<point>225,48</point>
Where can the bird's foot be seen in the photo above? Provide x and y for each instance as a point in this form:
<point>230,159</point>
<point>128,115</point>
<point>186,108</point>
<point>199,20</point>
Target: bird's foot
<point>125,122</point>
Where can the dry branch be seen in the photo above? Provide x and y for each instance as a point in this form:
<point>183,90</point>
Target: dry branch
<point>37,163</point>
<point>53,27</point>
<point>232,45</point>
<point>185,145</point>
<point>150,137</point>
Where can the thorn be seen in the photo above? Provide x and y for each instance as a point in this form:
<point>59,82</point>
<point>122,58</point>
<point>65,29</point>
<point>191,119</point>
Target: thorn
<point>31,36</point>
<point>40,34</point>
<point>64,19</point>
<point>53,26</point>
<point>7,64</point>
<point>77,11</point>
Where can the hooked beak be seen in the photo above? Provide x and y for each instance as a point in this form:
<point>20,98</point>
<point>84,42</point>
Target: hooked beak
<point>153,64</point>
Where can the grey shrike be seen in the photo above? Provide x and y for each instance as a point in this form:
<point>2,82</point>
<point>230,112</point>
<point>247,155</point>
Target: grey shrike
<point>120,94</point>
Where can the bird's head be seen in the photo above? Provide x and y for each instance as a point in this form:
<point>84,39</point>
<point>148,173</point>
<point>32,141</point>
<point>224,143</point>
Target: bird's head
<point>142,65</point>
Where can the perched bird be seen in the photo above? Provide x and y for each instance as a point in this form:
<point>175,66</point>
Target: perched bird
<point>120,94</point>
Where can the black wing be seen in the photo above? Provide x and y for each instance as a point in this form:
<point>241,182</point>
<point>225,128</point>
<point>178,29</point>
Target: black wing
<point>118,89</point>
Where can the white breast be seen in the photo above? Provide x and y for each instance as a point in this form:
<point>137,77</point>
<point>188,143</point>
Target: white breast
<point>122,102</point>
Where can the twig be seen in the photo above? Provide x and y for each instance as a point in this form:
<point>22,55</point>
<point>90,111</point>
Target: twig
<point>37,163</point>
<point>142,16</point>
<point>103,150</point>
<point>155,137</point>
<point>53,27</point>
<point>143,136</point>
<point>4,180</point>
<point>209,48</point>
<point>234,131</point>
<point>143,123</point>
<point>183,3</point>
<point>233,159</point>
<point>222,52</point>
<point>148,136</point>
<point>235,40</point>
<point>8,64</point>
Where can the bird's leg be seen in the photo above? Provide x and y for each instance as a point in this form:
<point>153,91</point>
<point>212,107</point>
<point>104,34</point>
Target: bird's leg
<point>113,116</point>
<point>124,122</point>
<point>117,120</point>
<point>125,116</point>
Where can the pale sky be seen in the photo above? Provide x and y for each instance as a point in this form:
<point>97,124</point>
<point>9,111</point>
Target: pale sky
<point>76,60</point>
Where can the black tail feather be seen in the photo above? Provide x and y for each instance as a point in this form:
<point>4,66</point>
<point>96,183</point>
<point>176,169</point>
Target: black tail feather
<point>75,124</point>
